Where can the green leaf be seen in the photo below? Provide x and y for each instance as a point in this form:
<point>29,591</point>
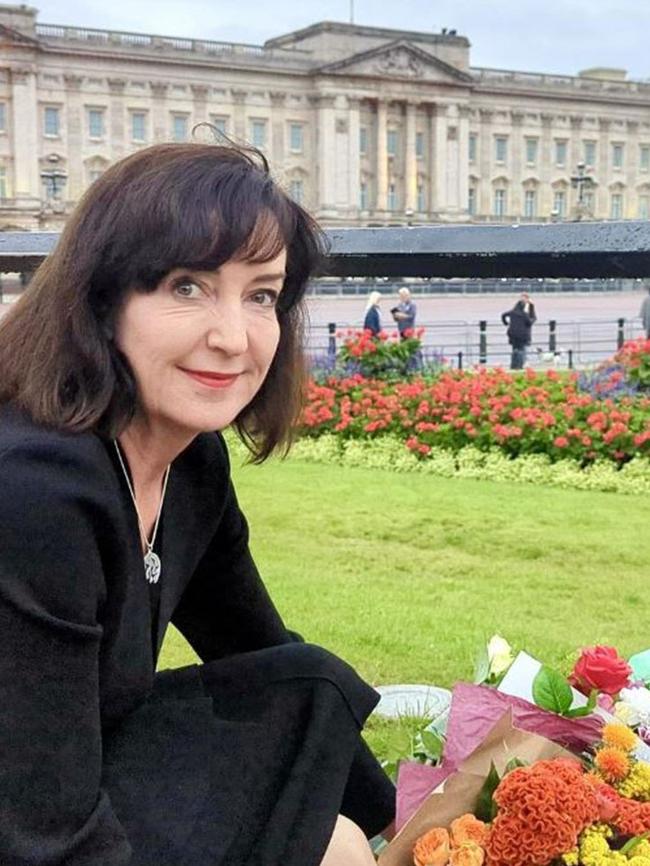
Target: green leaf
<point>432,744</point>
<point>514,764</point>
<point>577,712</point>
<point>593,700</point>
<point>631,844</point>
<point>481,667</point>
<point>551,691</point>
<point>486,808</point>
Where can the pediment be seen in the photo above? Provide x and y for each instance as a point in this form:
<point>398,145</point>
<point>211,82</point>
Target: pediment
<point>398,60</point>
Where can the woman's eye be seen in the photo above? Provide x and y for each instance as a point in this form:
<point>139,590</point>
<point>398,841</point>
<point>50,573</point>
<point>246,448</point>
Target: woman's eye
<point>265,297</point>
<point>187,289</point>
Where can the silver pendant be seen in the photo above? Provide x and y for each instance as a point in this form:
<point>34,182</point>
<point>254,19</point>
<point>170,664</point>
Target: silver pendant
<point>152,566</point>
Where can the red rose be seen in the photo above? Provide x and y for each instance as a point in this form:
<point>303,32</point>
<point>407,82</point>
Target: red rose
<point>600,668</point>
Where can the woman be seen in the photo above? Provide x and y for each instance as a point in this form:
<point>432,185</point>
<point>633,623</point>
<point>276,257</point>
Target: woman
<point>519,323</point>
<point>170,308</point>
<point>372,321</point>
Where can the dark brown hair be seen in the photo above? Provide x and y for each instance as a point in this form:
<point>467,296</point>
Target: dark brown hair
<point>167,206</point>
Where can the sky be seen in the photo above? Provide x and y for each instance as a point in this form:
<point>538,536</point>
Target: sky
<point>562,36</point>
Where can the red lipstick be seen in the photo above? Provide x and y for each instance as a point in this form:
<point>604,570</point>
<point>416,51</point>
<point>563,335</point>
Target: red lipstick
<point>211,379</point>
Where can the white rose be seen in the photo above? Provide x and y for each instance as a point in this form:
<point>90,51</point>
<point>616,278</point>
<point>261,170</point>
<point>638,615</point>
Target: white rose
<point>500,655</point>
<point>634,706</point>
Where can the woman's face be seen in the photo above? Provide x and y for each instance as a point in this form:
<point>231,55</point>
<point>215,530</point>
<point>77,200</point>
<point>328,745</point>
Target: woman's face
<point>200,345</point>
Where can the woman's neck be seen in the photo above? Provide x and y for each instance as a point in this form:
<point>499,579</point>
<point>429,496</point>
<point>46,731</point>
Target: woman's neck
<point>149,450</point>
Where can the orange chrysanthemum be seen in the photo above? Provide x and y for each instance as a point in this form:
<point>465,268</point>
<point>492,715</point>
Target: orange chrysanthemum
<point>619,736</point>
<point>468,828</point>
<point>432,849</point>
<point>612,763</point>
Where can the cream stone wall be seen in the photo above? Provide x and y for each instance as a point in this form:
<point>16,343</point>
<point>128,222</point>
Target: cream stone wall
<point>387,122</point>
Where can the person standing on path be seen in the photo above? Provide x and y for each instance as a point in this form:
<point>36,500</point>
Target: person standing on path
<point>404,314</point>
<point>372,319</point>
<point>519,323</point>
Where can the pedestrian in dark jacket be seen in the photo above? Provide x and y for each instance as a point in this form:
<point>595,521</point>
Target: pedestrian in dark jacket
<point>372,320</point>
<point>519,323</point>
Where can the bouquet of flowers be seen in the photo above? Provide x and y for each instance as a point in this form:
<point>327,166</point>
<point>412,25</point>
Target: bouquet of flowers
<point>537,770</point>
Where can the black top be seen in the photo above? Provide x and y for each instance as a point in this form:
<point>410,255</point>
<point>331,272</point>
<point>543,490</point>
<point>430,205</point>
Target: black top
<point>77,653</point>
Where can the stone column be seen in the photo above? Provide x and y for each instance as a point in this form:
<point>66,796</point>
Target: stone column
<point>24,127</point>
<point>604,176</point>
<point>575,154</point>
<point>410,161</point>
<point>463,157</point>
<point>115,131</point>
<point>74,110</point>
<point>159,114</point>
<point>630,201</point>
<point>440,164</point>
<point>326,125</point>
<point>486,145</point>
<point>381,172</point>
<point>546,167</point>
<point>515,203</point>
<point>200,109</point>
<point>354,158</point>
<point>277,151</point>
<point>239,113</point>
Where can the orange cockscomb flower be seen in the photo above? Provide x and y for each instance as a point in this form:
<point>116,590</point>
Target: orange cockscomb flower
<point>468,828</point>
<point>467,854</point>
<point>612,763</point>
<point>432,849</point>
<point>619,736</point>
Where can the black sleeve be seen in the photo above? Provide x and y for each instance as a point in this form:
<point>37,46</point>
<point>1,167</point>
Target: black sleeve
<point>226,608</point>
<point>52,807</point>
<point>505,318</point>
<point>532,313</point>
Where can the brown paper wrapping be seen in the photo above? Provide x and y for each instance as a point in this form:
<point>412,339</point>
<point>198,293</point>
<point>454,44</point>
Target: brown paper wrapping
<point>459,792</point>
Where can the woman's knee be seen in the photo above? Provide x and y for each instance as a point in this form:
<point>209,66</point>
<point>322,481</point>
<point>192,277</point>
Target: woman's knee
<point>348,846</point>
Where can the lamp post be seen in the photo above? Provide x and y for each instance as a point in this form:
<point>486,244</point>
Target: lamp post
<point>409,214</point>
<point>581,181</point>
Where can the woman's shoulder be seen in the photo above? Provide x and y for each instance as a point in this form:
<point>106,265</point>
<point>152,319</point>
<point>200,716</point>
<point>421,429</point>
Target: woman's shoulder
<point>34,453</point>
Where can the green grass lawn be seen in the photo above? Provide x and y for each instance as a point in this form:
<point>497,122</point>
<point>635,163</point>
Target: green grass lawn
<point>406,576</point>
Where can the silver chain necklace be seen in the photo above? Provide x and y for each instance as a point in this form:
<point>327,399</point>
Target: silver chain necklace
<point>152,564</point>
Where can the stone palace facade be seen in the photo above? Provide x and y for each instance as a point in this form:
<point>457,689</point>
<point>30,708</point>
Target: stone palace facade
<point>364,125</point>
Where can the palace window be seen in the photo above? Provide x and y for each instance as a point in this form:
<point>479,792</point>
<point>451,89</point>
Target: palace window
<point>363,140</point>
<point>391,142</point>
<point>258,133</point>
<point>617,155</point>
<point>471,201</point>
<point>559,202</point>
<point>51,121</point>
<point>179,127</point>
<point>419,144</point>
<point>296,138</point>
<point>616,206</point>
<point>363,195</point>
<point>644,207</point>
<point>3,117</point>
<point>391,198</point>
<point>500,149</point>
<point>644,157</point>
<point>589,153</point>
<point>532,145</point>
<point>530,203</point>
<point>96,122</point>
<point>297,191</point>
<point>421,205</point>
<point>138,126</point>
<point>500,201</point>
<point>560,153</point>
<point>3,182</point>
<point>473,142</point>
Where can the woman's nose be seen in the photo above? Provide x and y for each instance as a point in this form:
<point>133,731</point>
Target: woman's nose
<point>227,331</point>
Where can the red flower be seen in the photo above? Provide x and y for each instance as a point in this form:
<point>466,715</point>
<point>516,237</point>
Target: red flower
<point>600,668</point>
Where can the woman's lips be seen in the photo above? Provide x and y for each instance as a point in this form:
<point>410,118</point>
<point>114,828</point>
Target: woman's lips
<point>212,380</point>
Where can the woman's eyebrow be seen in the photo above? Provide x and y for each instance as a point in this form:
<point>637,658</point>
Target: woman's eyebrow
<point>265,278</point>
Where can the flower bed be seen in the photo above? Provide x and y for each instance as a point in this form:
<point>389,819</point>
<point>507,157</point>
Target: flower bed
<point>536,413</point>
